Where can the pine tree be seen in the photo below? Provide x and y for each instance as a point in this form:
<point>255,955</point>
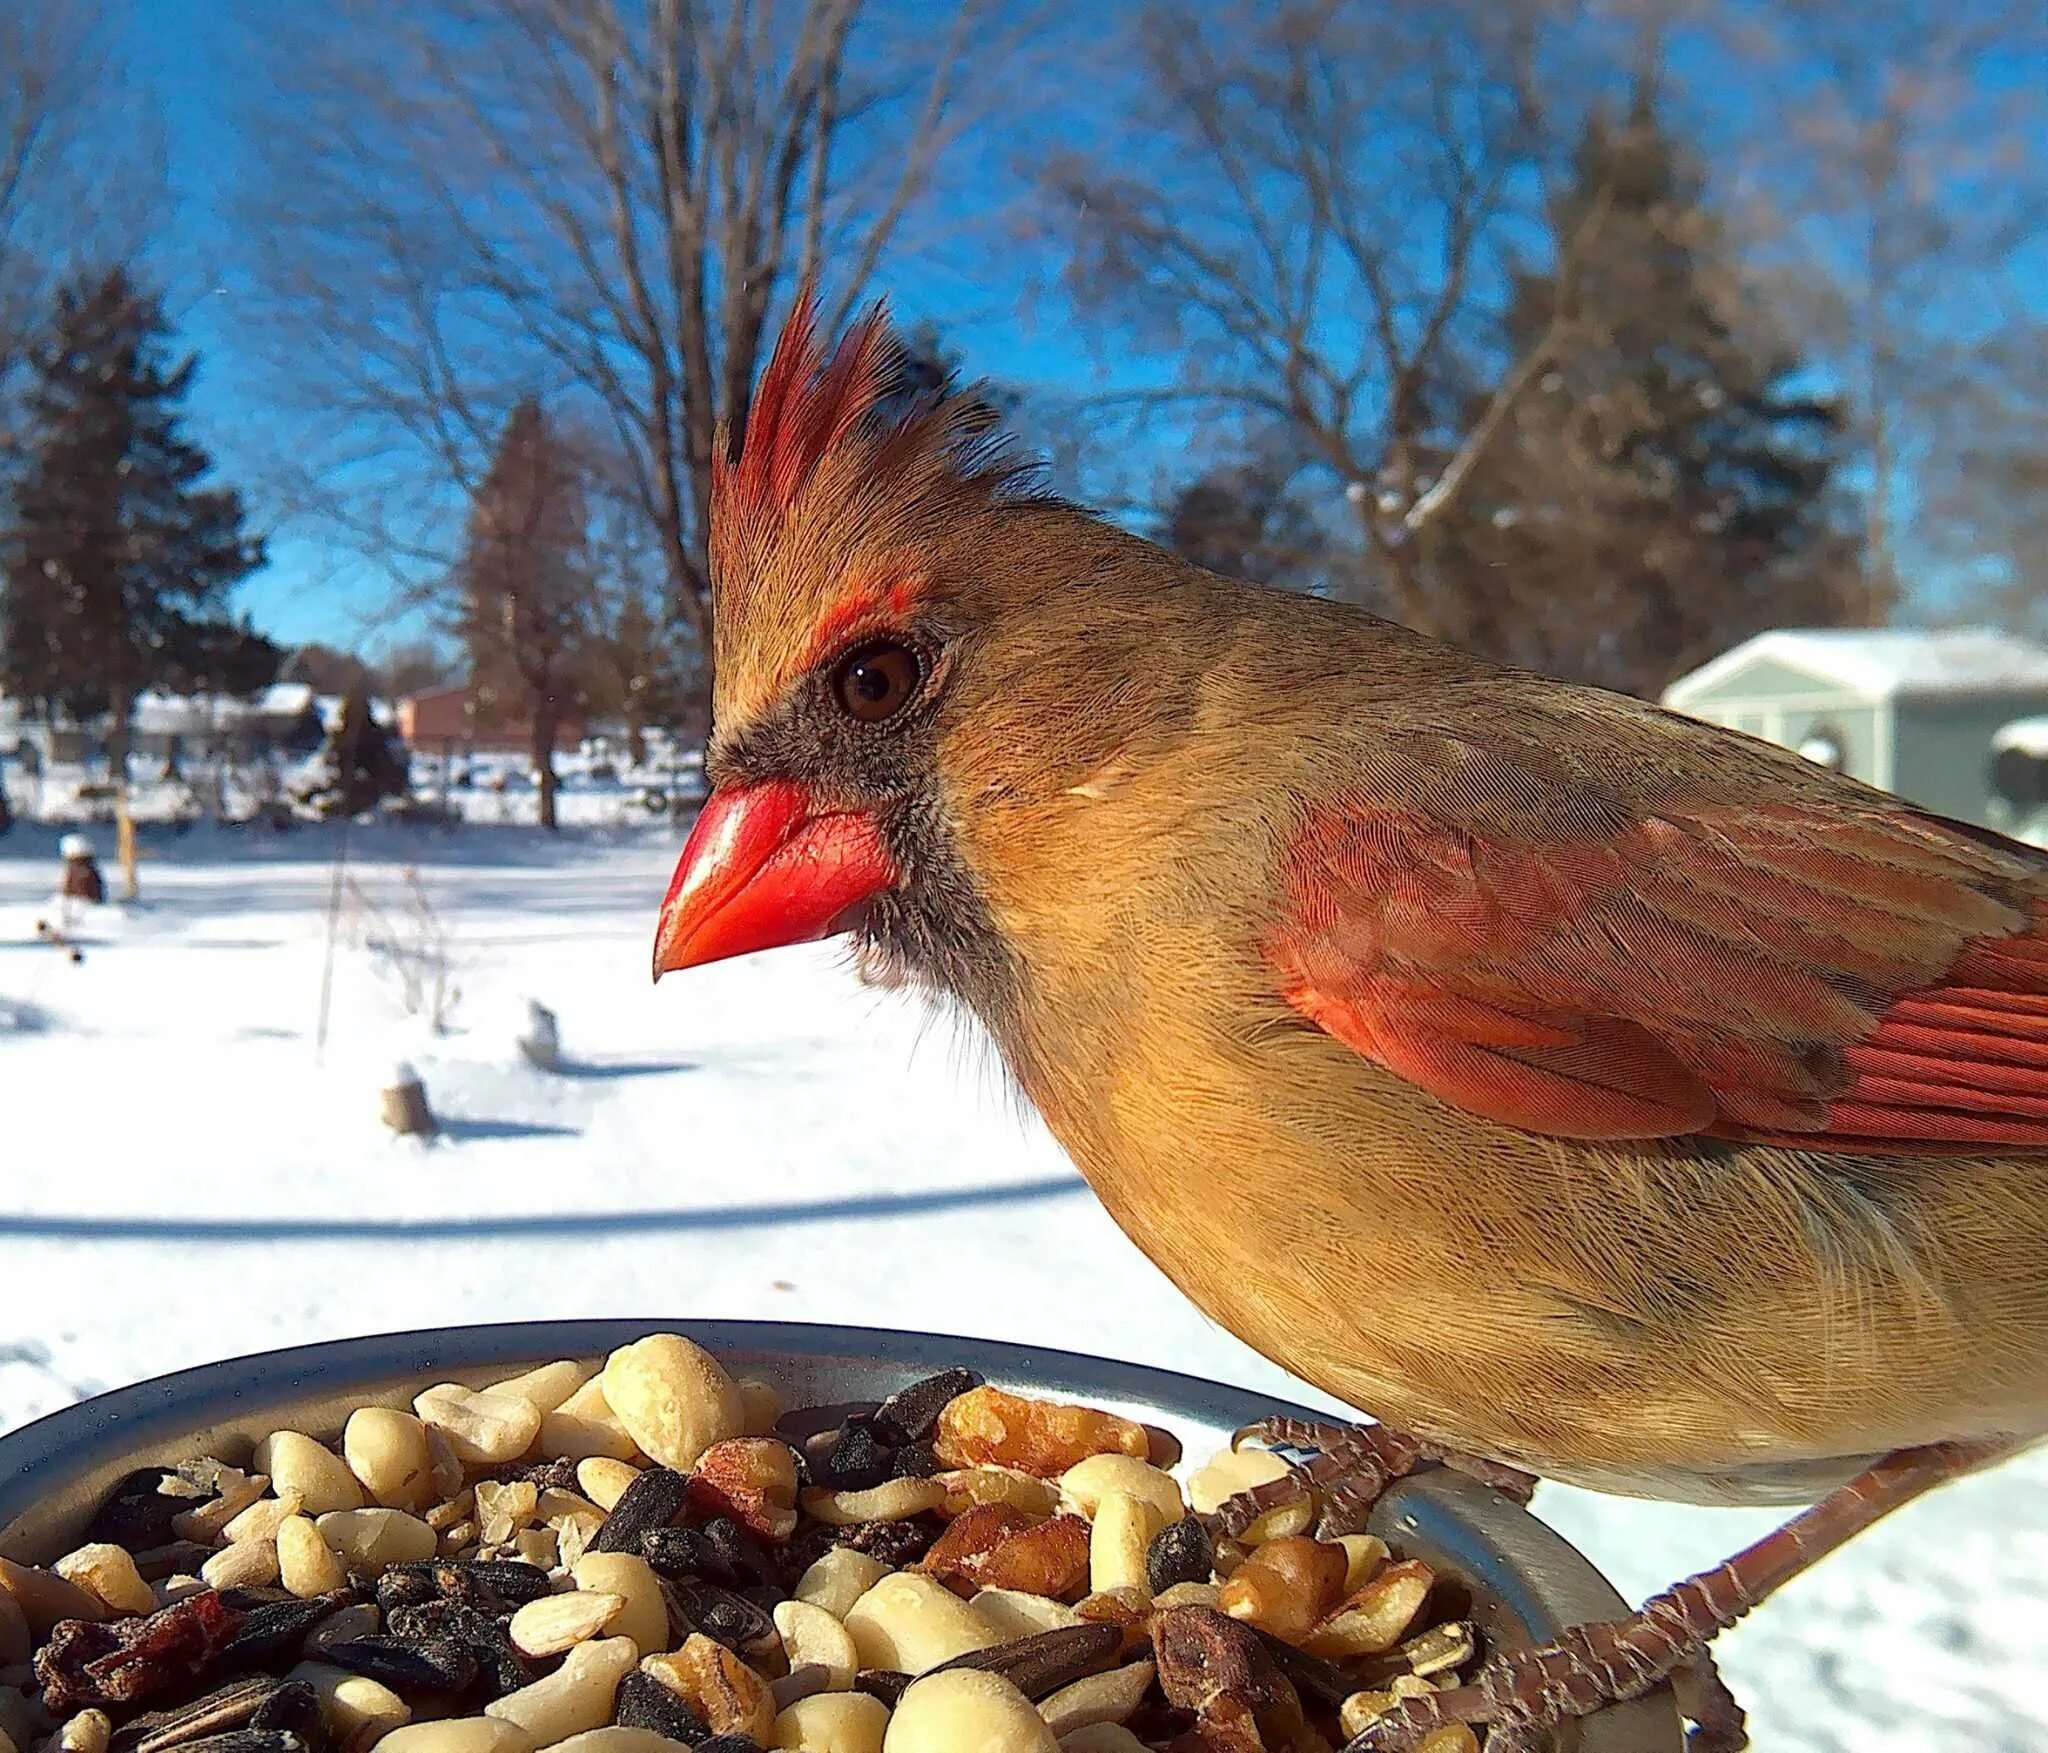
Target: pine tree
<point>524,588</point>
<point>361,762</point>
<point>121,559</point>
<point>1668,488</point>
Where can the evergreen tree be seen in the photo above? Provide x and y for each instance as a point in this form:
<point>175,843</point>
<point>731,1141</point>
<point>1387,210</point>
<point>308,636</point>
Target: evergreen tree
<point>524,588</point>
<point>1667,489</point>
<point>1241,519</point>
<point>120,559</point>
<point>361,764</point>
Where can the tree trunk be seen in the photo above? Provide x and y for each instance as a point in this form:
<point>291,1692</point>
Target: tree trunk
<point>544,757</point>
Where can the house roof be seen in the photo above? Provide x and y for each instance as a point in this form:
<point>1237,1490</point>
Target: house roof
<point>1880,663</point>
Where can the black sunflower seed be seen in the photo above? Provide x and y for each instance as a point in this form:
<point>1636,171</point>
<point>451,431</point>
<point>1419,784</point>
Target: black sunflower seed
<point>136,1514</point>
<point>250,1741</point>
<point>913,1461</point>
<point>295,1708</point>
<point>858,1459</point>
<point>654,1500</point>
<point>1039,1666</point>
<point>732,1741</point>
<point>227,1707</point>
<point>720,1614</point>
<point>436,1666</point>
<point>683,1553</point>
<point>908,1415</point>
<point>267,1627</point>
<point>883,1683</point>
<point>644,1703</point>
<point>504,1668</point>
<point>490,1585</point>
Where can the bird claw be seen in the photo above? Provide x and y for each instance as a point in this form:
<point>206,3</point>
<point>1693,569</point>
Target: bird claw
<point>1350,1466</point>
<point>1522,1695</point>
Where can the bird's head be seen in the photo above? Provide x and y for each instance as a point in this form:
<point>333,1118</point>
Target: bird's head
<point>869,560</point>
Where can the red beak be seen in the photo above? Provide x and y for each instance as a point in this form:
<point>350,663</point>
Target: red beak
<point>765,867</point>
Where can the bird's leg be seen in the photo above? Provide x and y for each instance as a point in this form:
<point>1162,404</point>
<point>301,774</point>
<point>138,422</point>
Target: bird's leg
<point>1522,1694</point>
<point>1352,1466</point>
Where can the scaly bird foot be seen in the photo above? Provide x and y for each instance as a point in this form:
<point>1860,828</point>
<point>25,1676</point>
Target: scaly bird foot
<point>1353,1464</point>
<point>1522,1695</point>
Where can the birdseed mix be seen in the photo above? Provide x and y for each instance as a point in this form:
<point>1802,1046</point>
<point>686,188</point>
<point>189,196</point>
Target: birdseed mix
<point>626,1559</point>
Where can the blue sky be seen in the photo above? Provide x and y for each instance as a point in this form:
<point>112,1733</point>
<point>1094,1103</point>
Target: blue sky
<point>1007,322</point>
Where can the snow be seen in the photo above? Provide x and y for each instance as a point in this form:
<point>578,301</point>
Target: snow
<point>1880,663</point>
<point>187,1178</point>
<point>2028,735</point>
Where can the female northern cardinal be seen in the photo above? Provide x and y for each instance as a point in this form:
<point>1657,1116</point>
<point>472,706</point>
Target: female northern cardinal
<point>1580,1088</point>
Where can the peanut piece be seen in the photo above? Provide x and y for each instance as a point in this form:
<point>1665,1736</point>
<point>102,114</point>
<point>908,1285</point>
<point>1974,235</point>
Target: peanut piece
<point>760,1406</point>
<point>1123,1528</point>
<point>88,1732</point>
<point>1227,1473</point>
<point>839,1578</point>
<point>642,1615</point>
<point>968,1488</point>
<point>236,1492</point>
<point>1376,1617</point>
<point>358,1710</point>
<point>371,1541</point>
<point>1286,1586</point>
<point>1098,1698</point>
<point>262,1519</point>
<point>673,1397</point>
<point>481,1429</point>
<point>546,1387</point>
<point>810,1634</point>
<point>1016,1614</point>
<point>1363,1556</point>
<point>603,1479</point>
<point>248,1564</point>
<point>576,1696</point>
<point>833,1722</point>
<point>556,1623</point>
<point>585,1425</point>
<point>966,1708</point>
<point>107,1573</point>
<point>894,1500</point>
<point>387,1451</point>
<point>306,1564</point>
<point>461,1734</point>
<point>911,1623</point>
<point>299,1466</point>
<point>1085,1484</point>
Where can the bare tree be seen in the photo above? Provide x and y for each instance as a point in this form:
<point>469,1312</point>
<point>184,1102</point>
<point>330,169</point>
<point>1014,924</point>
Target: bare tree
<point>1901,200</point>
<point>604,198</point>
<point>1325,230</point>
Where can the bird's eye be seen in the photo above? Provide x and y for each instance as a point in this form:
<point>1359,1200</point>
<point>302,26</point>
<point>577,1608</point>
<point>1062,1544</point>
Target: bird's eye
<point>877,680</point>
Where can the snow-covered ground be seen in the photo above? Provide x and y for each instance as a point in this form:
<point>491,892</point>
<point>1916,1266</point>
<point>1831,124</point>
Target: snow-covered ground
<point>183,1177</point>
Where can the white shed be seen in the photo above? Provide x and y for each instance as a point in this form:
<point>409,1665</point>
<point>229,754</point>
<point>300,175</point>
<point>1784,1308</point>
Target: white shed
<point>1911,710</point>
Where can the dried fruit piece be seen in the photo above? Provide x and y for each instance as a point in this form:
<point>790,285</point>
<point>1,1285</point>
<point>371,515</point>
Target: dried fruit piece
<point>1376,1617</point>
<point>87,1664</point>
<point>1050,1558</point>
<point>717,1686</point>
<point>1043,1437</point>
<point>1181,1553</point>
<point>753,1480</point>
<point>968,1540</point>
<point>1286,1587</point>
<point>645,1703</point>
<point>1217,1668</point>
